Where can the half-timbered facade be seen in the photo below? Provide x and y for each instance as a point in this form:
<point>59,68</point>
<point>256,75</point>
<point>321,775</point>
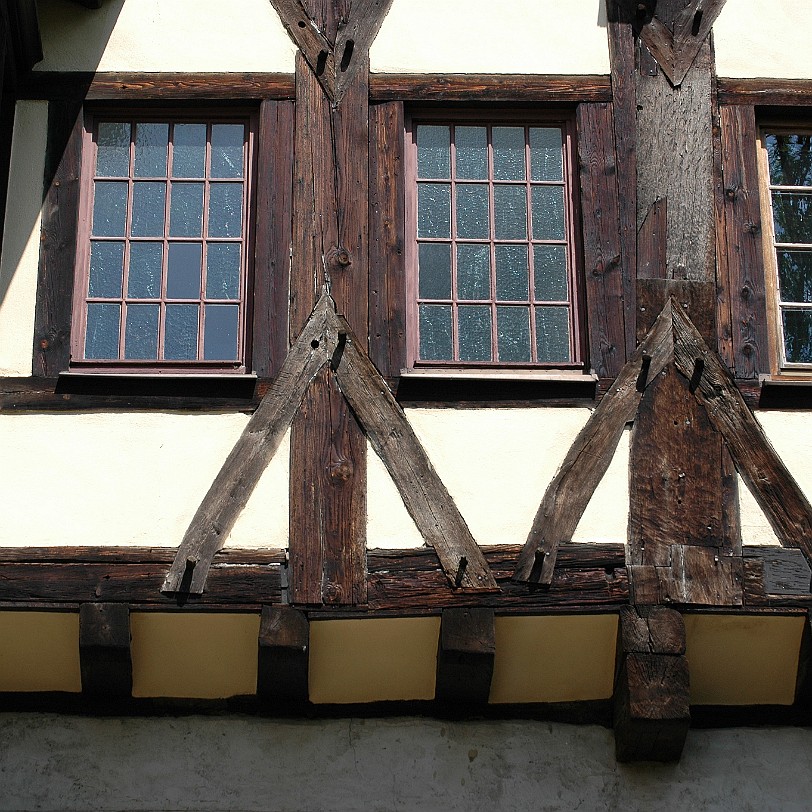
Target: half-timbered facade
<point>368,358</point>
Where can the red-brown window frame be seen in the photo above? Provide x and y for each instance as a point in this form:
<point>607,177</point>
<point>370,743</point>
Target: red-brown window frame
<point>247,116</point>
<point>563,118</point>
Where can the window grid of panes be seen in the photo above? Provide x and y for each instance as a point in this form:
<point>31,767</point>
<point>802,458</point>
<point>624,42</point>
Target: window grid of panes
<point>495,264</point>
<point>789,158</point>
<point>165,270</point>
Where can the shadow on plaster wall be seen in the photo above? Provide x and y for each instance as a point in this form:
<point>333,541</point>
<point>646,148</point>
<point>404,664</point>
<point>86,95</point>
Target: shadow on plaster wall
<point>65,26</point>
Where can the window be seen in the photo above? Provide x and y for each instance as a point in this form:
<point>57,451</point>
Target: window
<point>162,280</point>
<point>491,279</point>
<point>788,158</point>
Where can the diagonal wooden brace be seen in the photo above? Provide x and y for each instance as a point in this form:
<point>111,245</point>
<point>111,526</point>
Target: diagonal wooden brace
<point>250,456</point>
<point>589,456</point>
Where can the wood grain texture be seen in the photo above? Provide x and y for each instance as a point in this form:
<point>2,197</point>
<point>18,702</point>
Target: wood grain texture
<point>331,247</point>
<point>701,576</point>
<point>272,240</point>
<point>387,272</point>
<point>652,712</point>
<point>137,87</point>
<point>742,218</point>
<point>589,456</point>
<point>423,492</point>
<point>772,92</point>
<point>624,108</point>
<point>652,238</point>
<point>104,649</point>
<point>244,465</point>
<point>675,161</point>
<point>601,239</point>
<point>651,630</point>
<point>489,87</point>
<point>60,217</point>
<point>772,485</point>
<point>465,656</point>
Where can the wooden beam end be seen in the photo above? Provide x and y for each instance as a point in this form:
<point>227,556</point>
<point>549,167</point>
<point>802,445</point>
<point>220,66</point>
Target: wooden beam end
<point>465,656</point>
<point>104,649</point>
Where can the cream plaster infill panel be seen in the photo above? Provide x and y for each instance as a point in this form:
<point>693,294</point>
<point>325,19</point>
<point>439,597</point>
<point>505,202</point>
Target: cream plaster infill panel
<point>126,479</point>
<point>20,260</point>
<point>164,35</point>
<point>764,38</point>
<point>480,36</point>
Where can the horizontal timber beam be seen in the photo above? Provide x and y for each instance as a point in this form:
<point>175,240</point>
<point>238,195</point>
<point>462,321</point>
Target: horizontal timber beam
<point>489,87</point>
<point>768,92</point>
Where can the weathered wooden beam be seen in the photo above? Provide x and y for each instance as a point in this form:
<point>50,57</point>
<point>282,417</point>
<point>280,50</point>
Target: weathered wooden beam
<point>424,494</point>
<point>167,86</point>
<point>776,491</point>
<point>743,241</point>
<point>652,692</point>
<point>601,239</point>
<point>104,649</point>
<point>243,467</point>
<point>652,237</point>
<point>773,92</point>
<point>465,657</point>
<point>311,42</point>
<point>489,87</point>
<point>589,456</point>
<point>284,640</point>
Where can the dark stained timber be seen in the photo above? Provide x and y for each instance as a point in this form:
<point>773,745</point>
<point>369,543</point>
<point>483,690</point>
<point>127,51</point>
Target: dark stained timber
<point>465,656</point>
<point>488,87</point>
<point>589,456</point>
<point>243,467</point>
<point>772,92</point>
<point>284,643</point>
<point>104,649</point>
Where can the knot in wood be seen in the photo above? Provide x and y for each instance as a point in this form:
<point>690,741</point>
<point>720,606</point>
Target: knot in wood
<point>44,344</point>
<point>752,228</point>
<point>340,470</point>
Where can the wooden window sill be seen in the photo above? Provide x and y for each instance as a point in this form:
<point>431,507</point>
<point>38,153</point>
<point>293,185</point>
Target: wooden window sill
<point>455,373</point>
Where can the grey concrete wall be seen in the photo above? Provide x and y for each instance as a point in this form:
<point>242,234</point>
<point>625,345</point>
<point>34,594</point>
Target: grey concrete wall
<point>52,762</point>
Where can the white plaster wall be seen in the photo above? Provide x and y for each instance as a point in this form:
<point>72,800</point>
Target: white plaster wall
<point>791,435</point>
<point>480,36</point>
<point>50,762</point>
<point>496,464</point>
<point>156,35</point>
<point>126,479</point>
<point>18,265</point>
<point>764,38</point>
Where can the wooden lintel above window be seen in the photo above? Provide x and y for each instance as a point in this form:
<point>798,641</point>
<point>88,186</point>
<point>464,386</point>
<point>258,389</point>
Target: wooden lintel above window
<point>508,87</point>
<point>767,92</point>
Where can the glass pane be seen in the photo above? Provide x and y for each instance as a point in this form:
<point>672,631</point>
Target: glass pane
<point>546,161</point>
<point>471,144</point>
<point>473,272</point>
<point>508,153</point>
<point>220,338</point>
<point>101,337</point>
<point>474,323</point>
<point>223,270</point>
<point>552,335</point>
<point>113,149</point>
<point>798,336</point>
<point>189,151</point>
<point>186,215</point>
<point>151,141</point>
<point>795,276</point>
<point>434,271</point>
<point>548,212</point>
<point>512,273</point>
<point>180,337</point>
<point>472,211</point>
<point>106,269</point>
<point>144,280</point>
<point>550,271</point>
<point>141,332</point>
<point>433,151</point>
<point>109,209</point>
<point>513,333</point>
<point>433,210</point>
<point>792,216</point>
<point>435,333</point>
<point>149,206</point>
<point>183,270</point>
<point>790,158</point>
<point>510,212</point>
<point>226,150</point>
<point>225,210</point>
